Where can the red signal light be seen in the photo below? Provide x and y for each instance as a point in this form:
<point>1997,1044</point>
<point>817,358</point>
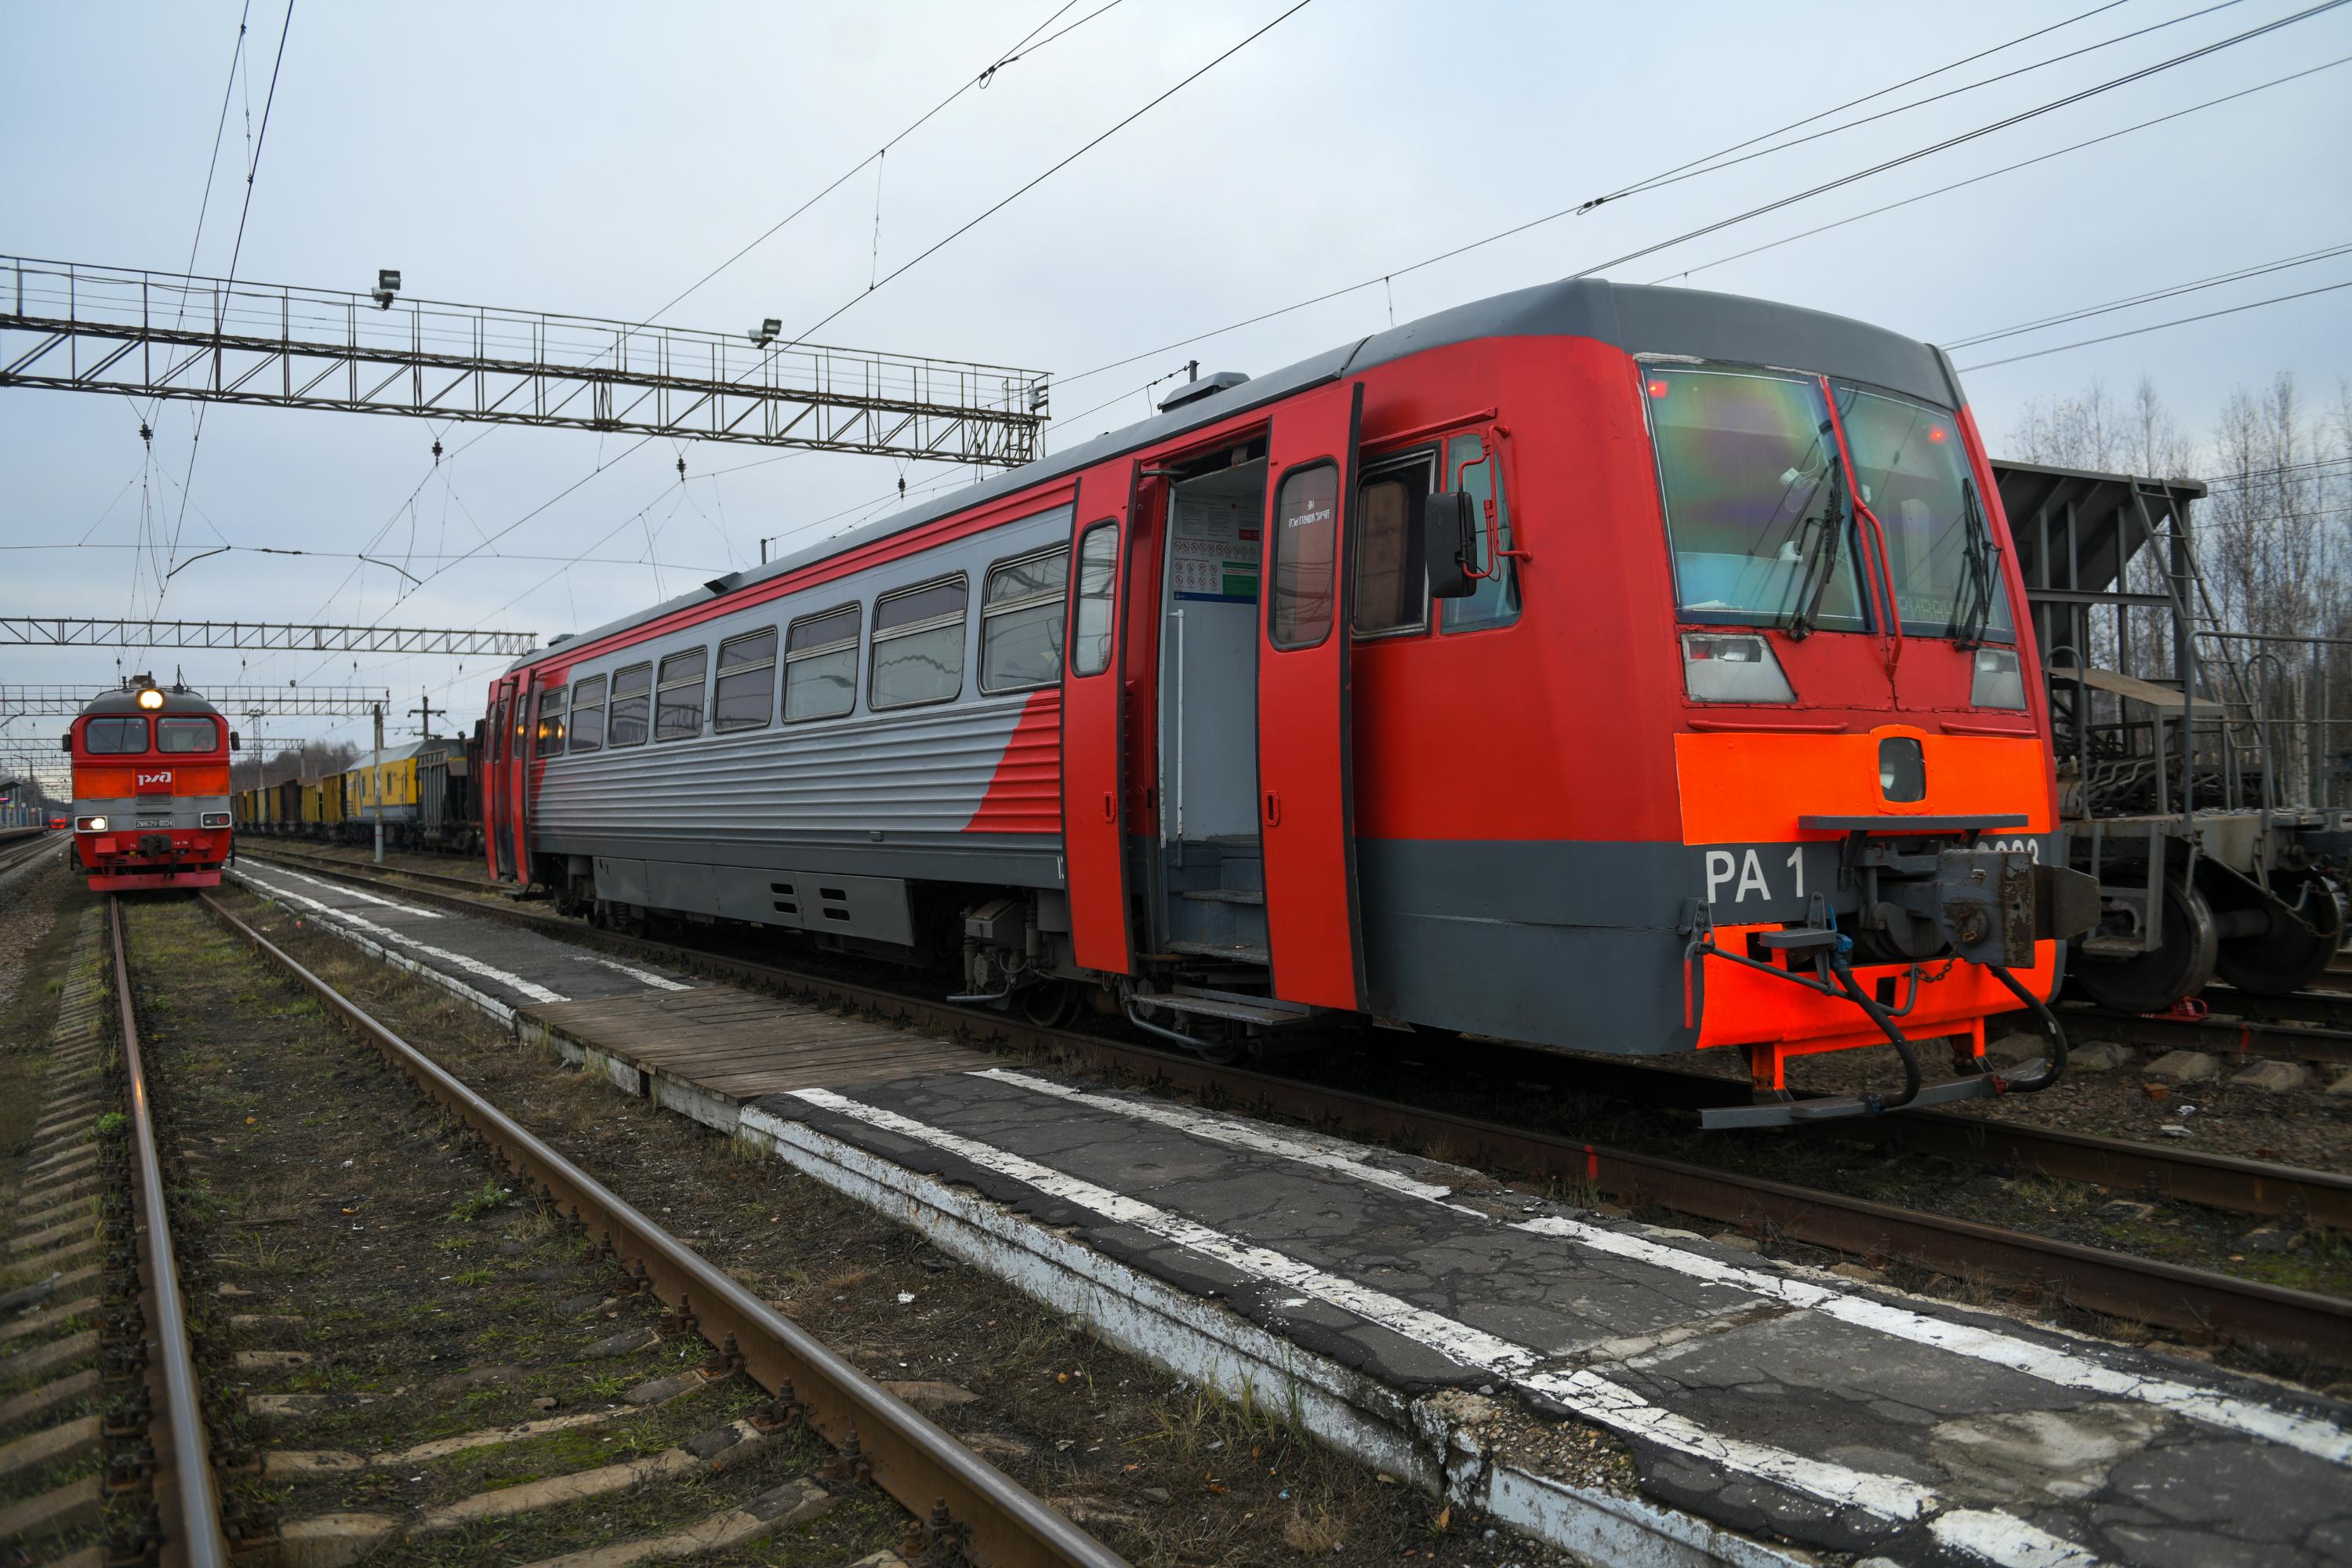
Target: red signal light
<point>1657,389</point>
<point>1936,434</point>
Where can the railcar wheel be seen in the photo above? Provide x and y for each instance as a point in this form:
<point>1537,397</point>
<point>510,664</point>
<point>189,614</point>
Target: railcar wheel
<point>2178,966</point>
<point>2295,951</point>
<point>1050,1004</point>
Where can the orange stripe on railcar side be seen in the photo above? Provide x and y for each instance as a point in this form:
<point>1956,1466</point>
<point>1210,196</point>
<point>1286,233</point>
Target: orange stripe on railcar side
<point>1025,793</point>
<point>1752,788</point>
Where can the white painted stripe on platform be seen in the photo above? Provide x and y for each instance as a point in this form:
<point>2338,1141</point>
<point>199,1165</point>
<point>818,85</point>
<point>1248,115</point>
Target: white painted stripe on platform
<point>425,971</point>
<point>385,933</point>
<point>1324,1154</point>
<point>2049,1363</point>
<point>1587,1394</point>
<point>349,892</point>
<point>2007,1539</point>
<point>658,982</point>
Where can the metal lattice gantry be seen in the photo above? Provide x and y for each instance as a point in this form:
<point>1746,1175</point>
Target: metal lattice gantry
<point>160,334</point>
<point>253,702</point>
<point>82,631</point>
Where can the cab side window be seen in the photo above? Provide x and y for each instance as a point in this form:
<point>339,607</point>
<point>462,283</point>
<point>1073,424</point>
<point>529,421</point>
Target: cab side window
<point>1392,582</point>
<point>1496,602</point>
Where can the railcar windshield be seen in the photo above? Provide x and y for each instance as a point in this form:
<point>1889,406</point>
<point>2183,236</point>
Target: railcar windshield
<point>1763,532</point>
<point>1754,510</point>
<point>114,737</point>
<point>1914,476</point>
<point>187,735</point>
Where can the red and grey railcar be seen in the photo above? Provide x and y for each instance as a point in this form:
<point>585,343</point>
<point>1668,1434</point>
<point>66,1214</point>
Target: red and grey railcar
<point>151,801</point>
<point>1619,669</point>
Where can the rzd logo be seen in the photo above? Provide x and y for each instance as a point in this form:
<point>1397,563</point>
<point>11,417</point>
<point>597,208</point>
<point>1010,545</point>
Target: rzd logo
<point>146,779</point>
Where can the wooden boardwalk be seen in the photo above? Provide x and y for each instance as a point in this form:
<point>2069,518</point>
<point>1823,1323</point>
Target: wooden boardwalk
<point>737,1045</point>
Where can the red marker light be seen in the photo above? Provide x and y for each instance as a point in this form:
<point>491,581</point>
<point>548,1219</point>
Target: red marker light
<point>1936,434</point>
<point>1657,389</point>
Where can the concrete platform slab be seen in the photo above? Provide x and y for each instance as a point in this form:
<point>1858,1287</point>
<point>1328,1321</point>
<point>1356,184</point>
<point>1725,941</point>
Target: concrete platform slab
<point>1485,1342</point>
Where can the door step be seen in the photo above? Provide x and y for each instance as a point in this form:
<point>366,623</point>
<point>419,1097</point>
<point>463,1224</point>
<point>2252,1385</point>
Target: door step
<point>1265,1013</point>
<point>1225,896</point>
<point>1236,952</point>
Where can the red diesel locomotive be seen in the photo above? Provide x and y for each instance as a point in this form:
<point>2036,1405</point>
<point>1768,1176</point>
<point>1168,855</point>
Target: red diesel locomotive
<point>150,788</point>
<point>1627,670</point>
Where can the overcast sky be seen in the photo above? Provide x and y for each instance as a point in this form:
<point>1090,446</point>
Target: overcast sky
<point>598,159</point>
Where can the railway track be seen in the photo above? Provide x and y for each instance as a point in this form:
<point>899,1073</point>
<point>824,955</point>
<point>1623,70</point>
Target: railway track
<point>958,1507</point>
<point>2140,1289</point>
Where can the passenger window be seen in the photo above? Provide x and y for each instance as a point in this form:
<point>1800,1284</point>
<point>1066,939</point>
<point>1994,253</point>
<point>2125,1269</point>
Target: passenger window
<point>114,737</point>
<point>632,705</point>
<point>550,721</point>
<point>747,682</point>
<point>1392,584</point>
<point>918,644</point>
<point>821,666</point>
<point>587,719</point>
<point>1020,622</point>
<point>1496,602</point>
<point>1306,535</point>
<point>186,735</point>
<point>1097,584</point>
<point>677,700</point>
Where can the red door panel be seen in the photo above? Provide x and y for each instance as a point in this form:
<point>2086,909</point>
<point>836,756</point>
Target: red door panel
<point>519,751</point>
<point>1306,804</point>
<point>1094,832</point>
<point>492,783</point>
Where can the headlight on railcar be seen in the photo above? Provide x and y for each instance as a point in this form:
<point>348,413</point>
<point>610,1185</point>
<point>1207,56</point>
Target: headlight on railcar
<point>89,825</point>
<point>1999,682</point>
<point>1738,666</point>
<point>216,819</point>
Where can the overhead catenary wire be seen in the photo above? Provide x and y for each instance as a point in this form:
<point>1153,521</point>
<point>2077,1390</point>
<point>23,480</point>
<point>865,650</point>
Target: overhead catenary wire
<point>971,224</point>
<point>1884,166</point>
<point>1711,167</point>
<point>1663,175</point>
<point>2236,275</point>
<point>937,246</point>
<point>2159,326</point>
<point>245,210</point>
<point>1995,174</point>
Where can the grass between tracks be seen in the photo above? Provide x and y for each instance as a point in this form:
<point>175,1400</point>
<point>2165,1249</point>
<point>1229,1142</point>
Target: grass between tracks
<point>1165,1473</point>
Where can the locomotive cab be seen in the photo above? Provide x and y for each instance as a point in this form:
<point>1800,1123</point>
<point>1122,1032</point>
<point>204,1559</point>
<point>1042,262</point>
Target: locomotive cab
<point>150,788</point>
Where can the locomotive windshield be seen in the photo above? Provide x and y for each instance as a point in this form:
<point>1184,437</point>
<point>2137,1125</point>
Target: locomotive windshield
<point>1762,528</point>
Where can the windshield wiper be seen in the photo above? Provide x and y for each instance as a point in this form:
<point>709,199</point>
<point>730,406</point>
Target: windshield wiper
<point>1967,631</point>
<point>1818,552</point>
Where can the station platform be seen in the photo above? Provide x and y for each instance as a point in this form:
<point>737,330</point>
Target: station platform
<point>1636,1394</point>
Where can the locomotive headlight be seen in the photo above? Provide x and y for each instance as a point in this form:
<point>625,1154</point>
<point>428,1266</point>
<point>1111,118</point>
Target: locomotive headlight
<point>150,699</point>
<point>89,825</point>
<point>1998,681</point>
<point>1738,666</point>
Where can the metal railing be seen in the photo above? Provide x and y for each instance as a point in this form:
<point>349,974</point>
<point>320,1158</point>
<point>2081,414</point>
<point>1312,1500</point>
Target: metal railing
<point>71,327</point>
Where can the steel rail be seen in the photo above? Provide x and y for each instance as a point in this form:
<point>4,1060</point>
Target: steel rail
<point>2141,1289</point>
<point>2217,1181</point>
<point>910,1456</point>
<point>2222,1036</point>
<point>200,1541</point>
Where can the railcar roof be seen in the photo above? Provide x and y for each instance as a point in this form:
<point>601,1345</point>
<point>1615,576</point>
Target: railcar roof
<point>126,701</point>
<point>369,758</point>
<point>1639,318</point>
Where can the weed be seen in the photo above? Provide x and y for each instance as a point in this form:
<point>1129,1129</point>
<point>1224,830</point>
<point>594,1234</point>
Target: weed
<point>486,1199</point>
<point>111,1123</point>
<point>475,1276</point>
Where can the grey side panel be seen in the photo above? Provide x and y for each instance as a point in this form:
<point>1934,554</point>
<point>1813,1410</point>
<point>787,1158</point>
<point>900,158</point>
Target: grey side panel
<point>1556,943</point>
<point>1012,860</point>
